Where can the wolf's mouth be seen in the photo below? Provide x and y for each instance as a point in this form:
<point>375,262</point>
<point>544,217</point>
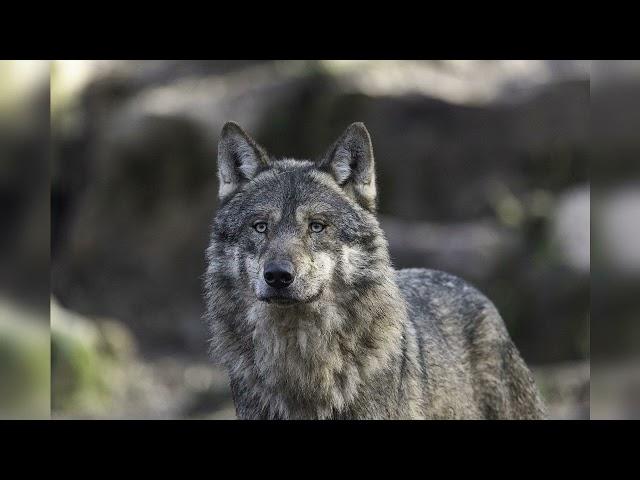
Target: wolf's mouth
<point>282,300</point>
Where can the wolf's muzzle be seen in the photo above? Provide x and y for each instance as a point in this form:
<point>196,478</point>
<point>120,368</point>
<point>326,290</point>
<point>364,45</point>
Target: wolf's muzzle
<point>279,274</point>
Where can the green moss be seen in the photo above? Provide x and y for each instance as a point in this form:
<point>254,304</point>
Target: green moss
<point>88,359</point>
<point>24,363</point>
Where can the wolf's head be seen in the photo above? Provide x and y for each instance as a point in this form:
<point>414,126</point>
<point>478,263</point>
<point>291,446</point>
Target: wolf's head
<point>292,231</point>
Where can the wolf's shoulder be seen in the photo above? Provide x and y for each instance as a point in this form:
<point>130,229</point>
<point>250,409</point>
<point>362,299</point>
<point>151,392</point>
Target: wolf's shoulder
<point>437,297</point>
<point>435,284</point>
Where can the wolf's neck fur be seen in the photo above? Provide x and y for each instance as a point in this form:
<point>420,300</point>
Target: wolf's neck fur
<point>313,360</point>
<point>310,360</point>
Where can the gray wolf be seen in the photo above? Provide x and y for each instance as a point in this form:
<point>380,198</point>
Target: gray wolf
<point>309,317</point>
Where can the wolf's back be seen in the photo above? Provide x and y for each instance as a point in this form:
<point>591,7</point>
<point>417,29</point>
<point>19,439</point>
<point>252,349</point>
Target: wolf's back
<point>461,334</point>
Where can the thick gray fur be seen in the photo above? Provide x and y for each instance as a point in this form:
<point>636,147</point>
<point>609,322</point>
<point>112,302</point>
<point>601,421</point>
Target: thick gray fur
<point>355,339</point>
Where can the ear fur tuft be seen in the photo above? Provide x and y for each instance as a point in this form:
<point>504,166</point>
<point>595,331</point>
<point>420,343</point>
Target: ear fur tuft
<point>239,159</point>
<point>350,161</point>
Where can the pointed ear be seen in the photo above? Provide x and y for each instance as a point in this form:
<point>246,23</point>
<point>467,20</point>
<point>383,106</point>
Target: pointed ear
<point>350,162</point>
<point>239,159</point>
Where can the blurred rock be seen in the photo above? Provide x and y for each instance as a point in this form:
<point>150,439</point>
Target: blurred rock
<point>97,373</point>
<point>24,183</point>
<point>615,389</point>
<point>566,390</point>
<point>571,228</point>
<point>615,285</point>
<point>618,229</point>
<point>88,362</point>
<point>476,248</point>
<point>468,82</point>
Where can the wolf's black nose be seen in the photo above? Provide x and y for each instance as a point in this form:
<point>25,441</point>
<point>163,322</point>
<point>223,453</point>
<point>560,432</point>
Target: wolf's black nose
<point>279,273</point>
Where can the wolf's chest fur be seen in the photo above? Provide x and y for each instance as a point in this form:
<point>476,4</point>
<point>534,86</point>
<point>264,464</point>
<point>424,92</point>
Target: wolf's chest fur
<point>311,361</point>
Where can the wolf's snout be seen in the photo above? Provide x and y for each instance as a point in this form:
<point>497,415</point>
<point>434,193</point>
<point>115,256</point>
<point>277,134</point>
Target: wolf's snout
<point>279,273</point>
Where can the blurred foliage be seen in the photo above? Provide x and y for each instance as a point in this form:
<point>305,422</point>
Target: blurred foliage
<point>24,239</point>
<point>24,363</point>
<point>88,360</point>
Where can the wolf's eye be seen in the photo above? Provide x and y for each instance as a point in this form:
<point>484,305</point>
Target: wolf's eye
<point>316,227</point>
<point>260,227</point>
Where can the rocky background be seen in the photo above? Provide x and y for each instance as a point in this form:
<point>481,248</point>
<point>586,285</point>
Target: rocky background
<point>482,168</point>
<point>24,239</point>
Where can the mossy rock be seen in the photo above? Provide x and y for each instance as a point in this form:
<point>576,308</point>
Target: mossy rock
<point>24,363</point>
<point>88,362</point>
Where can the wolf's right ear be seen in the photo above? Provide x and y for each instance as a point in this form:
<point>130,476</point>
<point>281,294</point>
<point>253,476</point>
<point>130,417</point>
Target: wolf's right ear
<point>239,159</point>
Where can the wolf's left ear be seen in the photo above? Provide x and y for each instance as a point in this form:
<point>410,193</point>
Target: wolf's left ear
<point>350,162</point>
<point>239,159</point>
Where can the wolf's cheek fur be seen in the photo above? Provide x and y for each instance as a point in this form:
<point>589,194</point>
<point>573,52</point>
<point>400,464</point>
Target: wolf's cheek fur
<point>353,264</point>
<point>316,272</point>
<point>253,271</point>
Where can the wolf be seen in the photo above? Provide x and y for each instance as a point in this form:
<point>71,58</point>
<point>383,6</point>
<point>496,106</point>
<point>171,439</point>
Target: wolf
<point>309,317</point>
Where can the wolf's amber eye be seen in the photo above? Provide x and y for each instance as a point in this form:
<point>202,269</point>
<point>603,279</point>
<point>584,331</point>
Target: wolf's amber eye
<point>316,227</point>
<point>260,227</point>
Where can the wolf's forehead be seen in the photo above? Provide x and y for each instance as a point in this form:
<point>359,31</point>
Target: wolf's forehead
<point>293,194</point>
<point>295,185</point>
